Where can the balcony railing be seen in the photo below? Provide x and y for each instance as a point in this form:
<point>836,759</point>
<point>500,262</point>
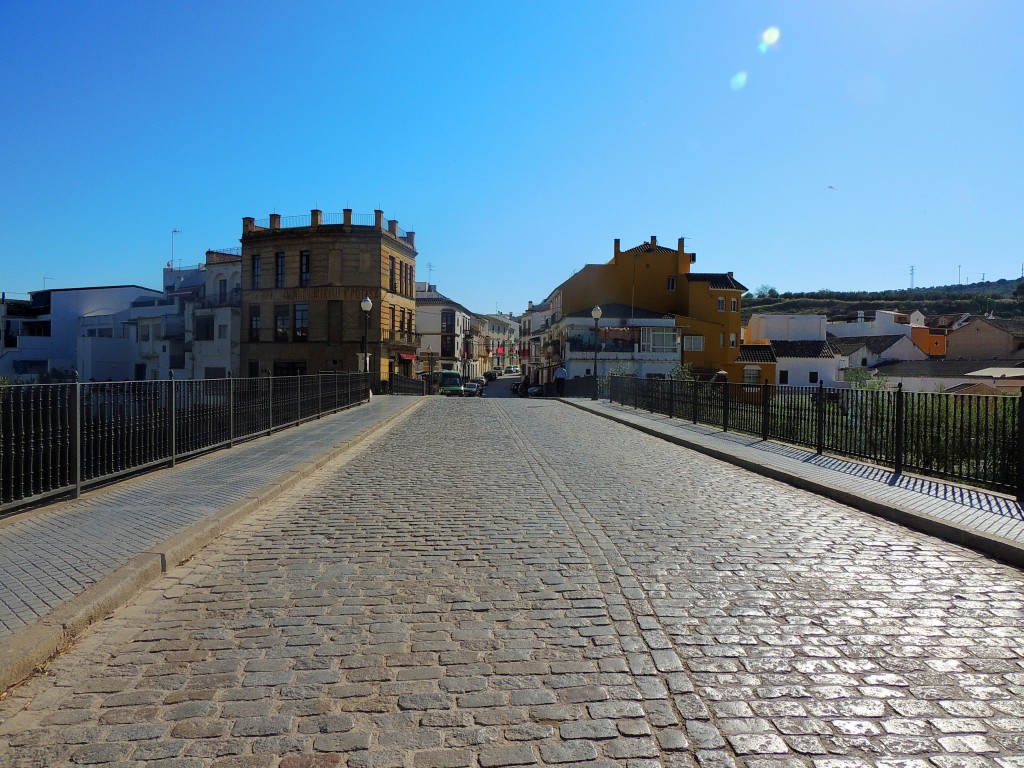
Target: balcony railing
<point>56,439</point>
<point>404,337</point>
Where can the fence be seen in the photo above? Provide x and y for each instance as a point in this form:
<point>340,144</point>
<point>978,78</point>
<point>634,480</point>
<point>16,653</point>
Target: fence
<point>56,439</point>
<point>973,439</point>
<point>406,385</point>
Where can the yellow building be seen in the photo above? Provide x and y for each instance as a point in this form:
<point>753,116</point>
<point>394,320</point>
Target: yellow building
<point>654,280</point>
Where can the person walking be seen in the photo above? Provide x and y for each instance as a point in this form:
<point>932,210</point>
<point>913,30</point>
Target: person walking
<point>560,376</point>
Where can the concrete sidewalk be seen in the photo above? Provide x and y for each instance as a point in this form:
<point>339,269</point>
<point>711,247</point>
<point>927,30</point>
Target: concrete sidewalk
<point>987,522</point>
<point>66,565</point>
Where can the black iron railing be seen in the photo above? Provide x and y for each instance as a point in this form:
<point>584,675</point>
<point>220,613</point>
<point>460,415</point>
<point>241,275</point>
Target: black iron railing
<point>56,439</point>
<point>405,385</point>
<point>973,439</point>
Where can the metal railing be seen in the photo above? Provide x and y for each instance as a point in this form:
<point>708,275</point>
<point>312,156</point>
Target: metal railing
<point>973,439</point>
<point>406,385</point>
<point>56,439</point>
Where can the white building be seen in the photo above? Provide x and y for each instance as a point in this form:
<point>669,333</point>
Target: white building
<point>637,341</point>
<point>43,336</point>
<point>447,338</point>
<point>803,355</point>
<point>882,322</point>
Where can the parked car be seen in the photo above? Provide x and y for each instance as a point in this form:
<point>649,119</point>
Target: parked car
<point>472,389</point>
<point>490,376</point>
<point>479,380</point>
<point>510,369</point>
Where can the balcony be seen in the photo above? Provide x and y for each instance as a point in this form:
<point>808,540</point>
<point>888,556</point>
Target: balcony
<point>403,338</point>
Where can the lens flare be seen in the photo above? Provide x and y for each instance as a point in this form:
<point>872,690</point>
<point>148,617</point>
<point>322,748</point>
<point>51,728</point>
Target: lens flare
<point>768,38</point>
<point>738,81</point>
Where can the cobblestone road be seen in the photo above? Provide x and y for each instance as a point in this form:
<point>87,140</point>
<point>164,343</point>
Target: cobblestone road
<point>509,582</point>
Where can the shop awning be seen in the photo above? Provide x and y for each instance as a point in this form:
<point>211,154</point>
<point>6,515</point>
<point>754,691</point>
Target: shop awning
<point>406,356</point>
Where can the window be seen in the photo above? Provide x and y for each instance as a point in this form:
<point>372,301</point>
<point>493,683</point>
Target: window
<point>255,271</point>
<point>282,318</point>
<point>783,377</point>
<point>732,340</point>
<point>303,269</point>
<point>447,321</point>
<point>222,291</point>
<point>658,340</point>
<point>812,377</point>
<point>735,304</point>
<point>301,327</point>
<point>254,369</point>
<point>254,323</point>
<point>391,274</point>
<point>204,328</point>
<point>751,374</point>
<point>721,304</point>
<point>279,270</point>
<point>144,332</point>
<point>863,362</point>
<point>222,331</point>
<point>693,343</point>
<point>672,283</point>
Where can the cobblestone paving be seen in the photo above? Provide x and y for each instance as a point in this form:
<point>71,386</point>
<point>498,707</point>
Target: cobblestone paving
<point>502,582</point>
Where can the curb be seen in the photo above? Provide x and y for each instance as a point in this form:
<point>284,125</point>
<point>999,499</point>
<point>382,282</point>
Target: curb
<point>26,650</point>
<point>998,547</point>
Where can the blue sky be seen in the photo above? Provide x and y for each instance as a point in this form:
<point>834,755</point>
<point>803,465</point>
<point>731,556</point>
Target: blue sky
<point>520,139</point>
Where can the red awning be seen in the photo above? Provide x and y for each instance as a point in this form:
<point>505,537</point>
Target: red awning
<point>406,356</point>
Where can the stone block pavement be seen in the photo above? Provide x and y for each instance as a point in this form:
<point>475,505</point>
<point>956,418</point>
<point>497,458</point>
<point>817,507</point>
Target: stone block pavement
<point>517,582</point>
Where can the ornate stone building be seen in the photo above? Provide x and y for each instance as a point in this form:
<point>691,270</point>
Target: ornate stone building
<point>304,279</point>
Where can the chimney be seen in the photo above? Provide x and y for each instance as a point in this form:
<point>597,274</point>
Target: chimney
<point>248,224</point>
<point>348,217</point>
<point>275,221</point>
<point>393,227</point>
<point>378,219</point>
<point>410,237</point>
<point>654,241</point>
<point>615,255</point>
<point>316,218</point>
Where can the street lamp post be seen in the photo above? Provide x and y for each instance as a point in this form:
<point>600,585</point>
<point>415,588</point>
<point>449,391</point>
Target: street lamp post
<point>366,305</point>
<point>430,369</point>
<point>596,314</point>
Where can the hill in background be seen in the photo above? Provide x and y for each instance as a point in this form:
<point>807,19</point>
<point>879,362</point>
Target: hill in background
<point>1003,298</point>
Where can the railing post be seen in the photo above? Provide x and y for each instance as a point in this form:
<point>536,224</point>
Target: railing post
<point>671,397</point>
<point>725,405</point>
<point>174,419</point>
<point>1020,446</point>
<point>231,411</point>
<point>898,463</point>
<point>693,383</point>
<point>78,437</point>
<point>765,411</point>
<point>819,424</point>
<point>298,399</point>
<point>270,400</point>
<point>319,395</point>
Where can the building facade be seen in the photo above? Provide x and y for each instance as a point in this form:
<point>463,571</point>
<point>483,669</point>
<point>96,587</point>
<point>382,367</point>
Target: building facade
<point>304,280</point>
<point>646,285</point>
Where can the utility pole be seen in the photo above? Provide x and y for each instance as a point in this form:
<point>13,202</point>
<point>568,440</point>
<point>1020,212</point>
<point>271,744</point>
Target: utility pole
<point>958,275</point>
<point>911,277</point>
